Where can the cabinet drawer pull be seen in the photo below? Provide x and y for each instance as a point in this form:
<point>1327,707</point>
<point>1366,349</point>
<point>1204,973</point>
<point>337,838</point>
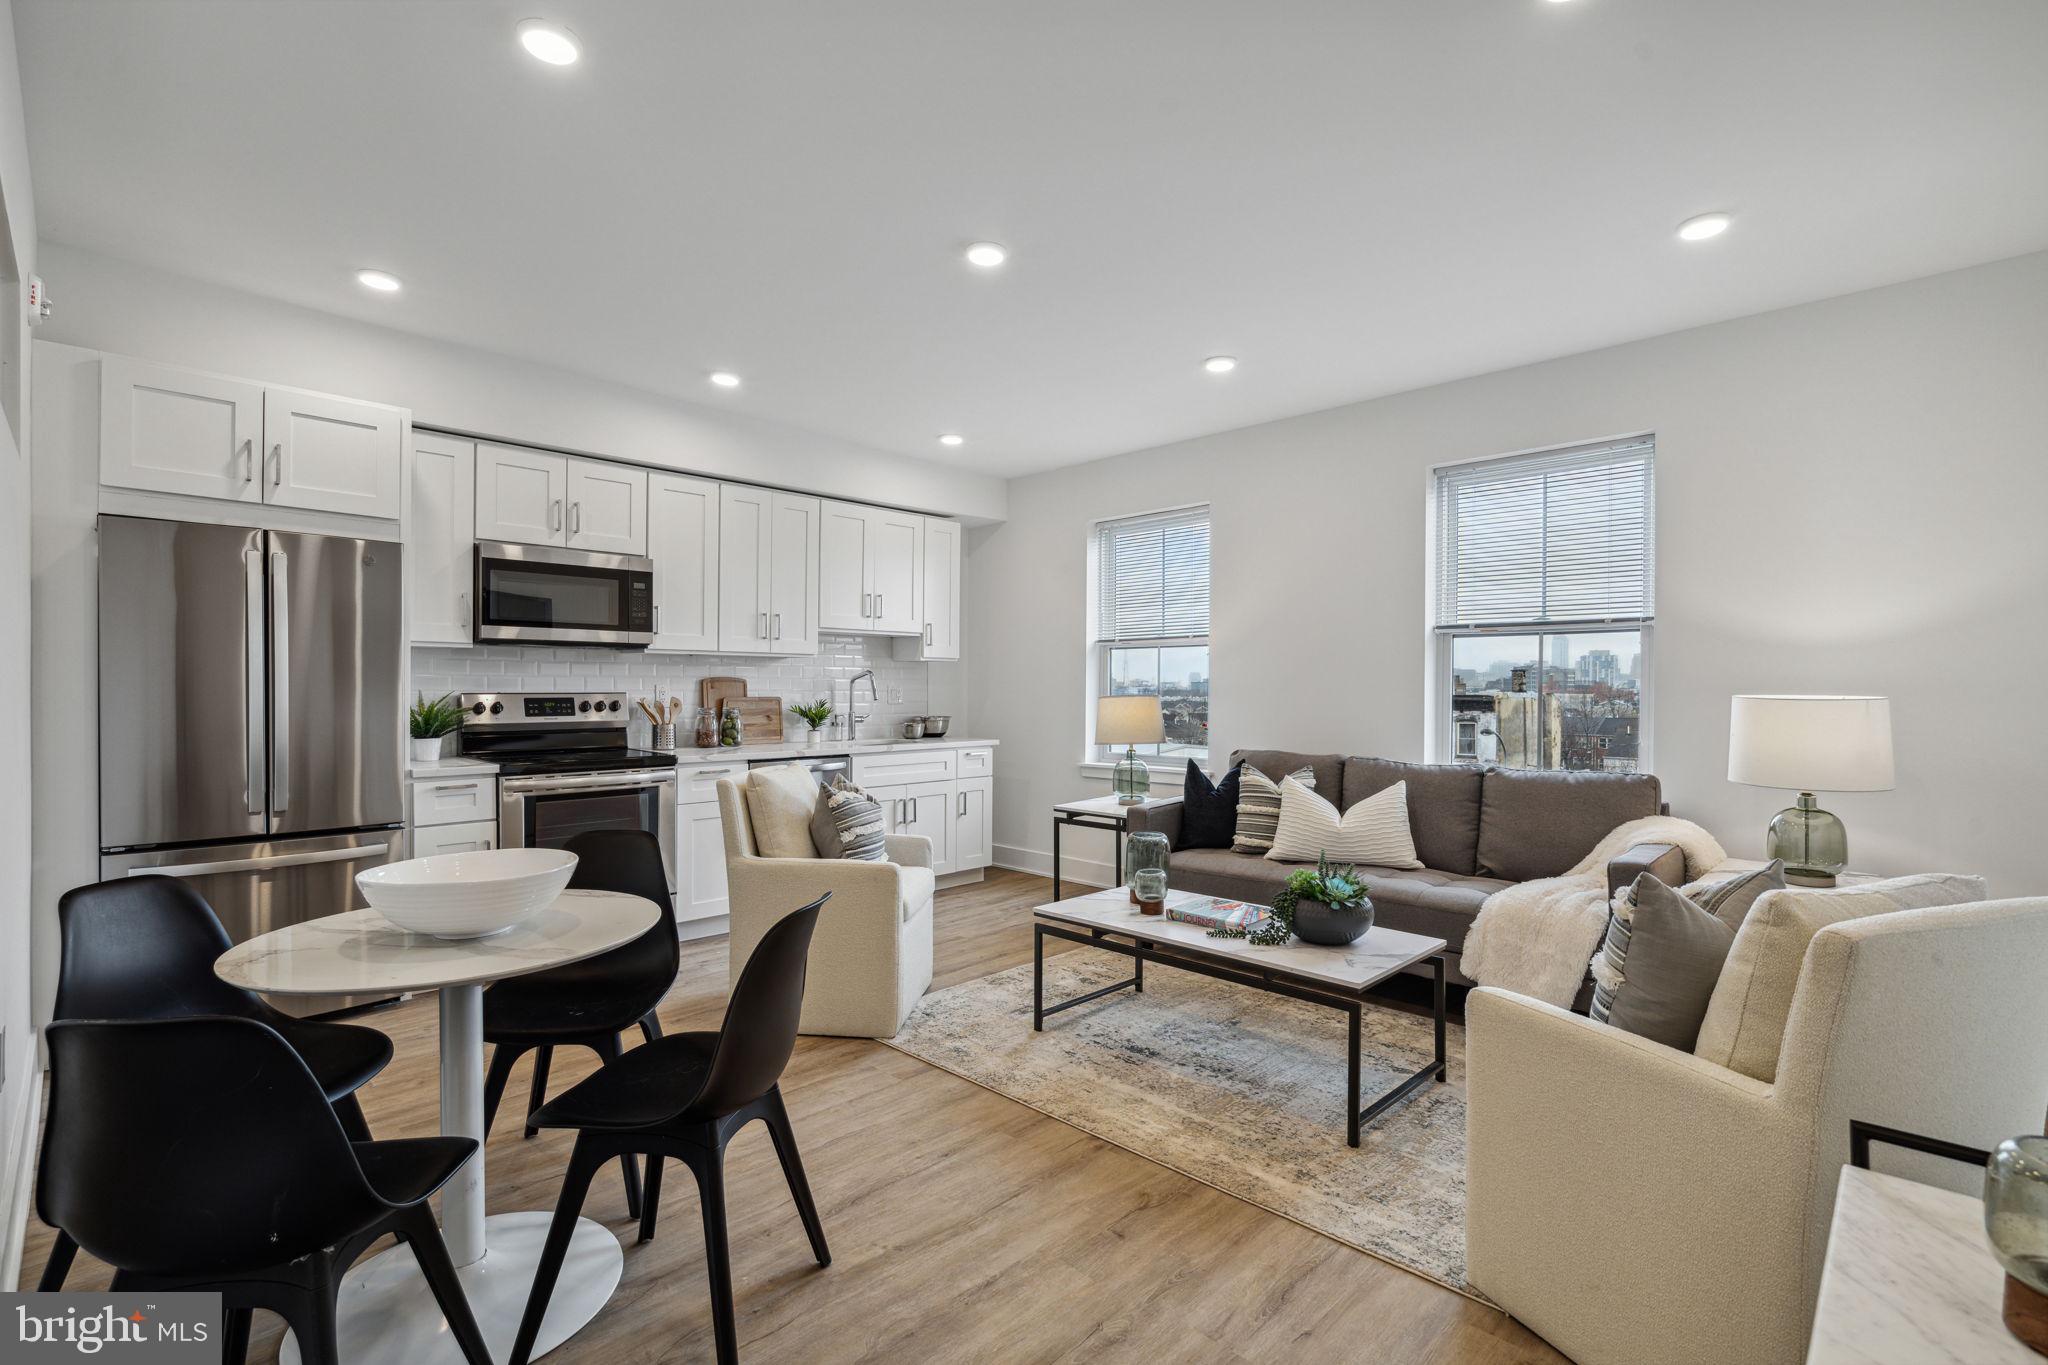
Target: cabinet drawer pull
<point>277,465</point>
<point>927,634</point>
<point>249,460</point>
<point>778,627</point>
<point>456,786</point>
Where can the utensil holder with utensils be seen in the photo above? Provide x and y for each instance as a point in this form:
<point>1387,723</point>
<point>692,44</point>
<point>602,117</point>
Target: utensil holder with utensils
<point>664,738</point>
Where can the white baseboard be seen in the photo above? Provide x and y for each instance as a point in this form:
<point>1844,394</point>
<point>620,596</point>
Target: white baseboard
<point>711,926</point>
<point>965,878</point>
<point>1081,871</point>
<point>20,1177</point>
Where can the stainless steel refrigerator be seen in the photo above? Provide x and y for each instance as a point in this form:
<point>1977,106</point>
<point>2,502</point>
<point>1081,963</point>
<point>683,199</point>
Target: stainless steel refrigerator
<point>250,716</point>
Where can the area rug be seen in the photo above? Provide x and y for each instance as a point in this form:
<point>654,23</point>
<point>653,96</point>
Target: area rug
<point>1234,1087</point>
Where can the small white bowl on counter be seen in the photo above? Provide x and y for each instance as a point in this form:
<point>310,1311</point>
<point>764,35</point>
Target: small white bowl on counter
<point>467,895</point>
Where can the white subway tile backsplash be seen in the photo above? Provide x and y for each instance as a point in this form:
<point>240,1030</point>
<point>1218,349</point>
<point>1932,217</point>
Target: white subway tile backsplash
<point>902,688</point>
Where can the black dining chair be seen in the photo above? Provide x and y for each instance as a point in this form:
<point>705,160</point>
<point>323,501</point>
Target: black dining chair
<point>202,1154</point>
<point>144,948</point>
<point>588,1003</point>
<point>684,1096</point>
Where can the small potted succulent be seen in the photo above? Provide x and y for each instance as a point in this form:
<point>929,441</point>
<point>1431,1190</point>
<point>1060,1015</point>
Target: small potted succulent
<point>431,721</point>
<point>1328,907</point>
<point>814,714</point>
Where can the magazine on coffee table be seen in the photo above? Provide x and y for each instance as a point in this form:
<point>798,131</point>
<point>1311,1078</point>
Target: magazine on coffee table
<point>1211,912</point>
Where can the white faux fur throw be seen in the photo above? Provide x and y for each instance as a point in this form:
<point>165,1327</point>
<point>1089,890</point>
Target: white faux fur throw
<point>1535,938</point>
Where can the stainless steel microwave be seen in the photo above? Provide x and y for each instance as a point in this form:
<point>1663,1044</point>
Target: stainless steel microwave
<point>537,594</point>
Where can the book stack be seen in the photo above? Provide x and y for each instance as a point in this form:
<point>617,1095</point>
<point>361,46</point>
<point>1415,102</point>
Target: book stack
<point>1208,912</point>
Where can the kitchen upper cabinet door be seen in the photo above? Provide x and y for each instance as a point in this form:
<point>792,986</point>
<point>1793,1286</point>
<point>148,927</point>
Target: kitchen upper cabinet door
<point>682,540</point>
<point>895,555</point>
<point>845,600</point>
<point>941,586</point>
<point>333,454</point>
<point>973,830</point>
<point>607,507</point>
<point>745,533</point>
<point>793,575</point>
<point>700,863</point>
<point>520,495</point>
<point>175,431</point>
<point>440,539</point>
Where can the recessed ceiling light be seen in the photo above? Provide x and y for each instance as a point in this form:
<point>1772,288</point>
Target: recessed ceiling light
<point>550,43</point>
<point>1705,226</point>
<point>725,379</point>
<point>1220,364</point>
<point>952,439</point>
<point>379,281</point>
<point>987,255</point>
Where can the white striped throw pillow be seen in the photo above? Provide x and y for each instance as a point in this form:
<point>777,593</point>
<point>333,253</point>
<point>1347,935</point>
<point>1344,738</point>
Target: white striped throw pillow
<point>1374,831</point>
<point>1258,807</point>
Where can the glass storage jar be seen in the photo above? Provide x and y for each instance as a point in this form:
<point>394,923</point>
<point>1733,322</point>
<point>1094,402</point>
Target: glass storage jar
<point>1146,850</point>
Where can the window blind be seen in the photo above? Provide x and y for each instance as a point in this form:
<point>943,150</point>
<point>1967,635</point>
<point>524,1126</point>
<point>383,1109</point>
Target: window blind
<point>1564,537</point>
<point>1152,576</point>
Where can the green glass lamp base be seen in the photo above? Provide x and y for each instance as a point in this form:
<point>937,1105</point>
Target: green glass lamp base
<point>1814,843</point>
<point>1132,779</point>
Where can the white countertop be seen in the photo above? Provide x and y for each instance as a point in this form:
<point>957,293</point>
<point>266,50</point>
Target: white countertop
<point>451,767</point>
<point>755,752</point>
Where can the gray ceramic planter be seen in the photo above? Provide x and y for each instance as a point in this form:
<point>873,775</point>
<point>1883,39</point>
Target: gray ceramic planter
<point>1329,925</point>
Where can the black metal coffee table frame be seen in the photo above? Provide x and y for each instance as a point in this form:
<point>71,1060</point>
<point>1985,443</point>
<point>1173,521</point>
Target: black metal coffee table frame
<point>1276,982</point>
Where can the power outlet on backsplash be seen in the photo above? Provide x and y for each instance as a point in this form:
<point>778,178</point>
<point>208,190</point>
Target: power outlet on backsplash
<point>902,689</point>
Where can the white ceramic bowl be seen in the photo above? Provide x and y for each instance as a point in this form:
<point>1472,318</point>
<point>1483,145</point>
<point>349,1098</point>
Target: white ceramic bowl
<point>467,895</point>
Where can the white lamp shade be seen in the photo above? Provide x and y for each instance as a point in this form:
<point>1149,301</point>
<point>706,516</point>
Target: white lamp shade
<point>1811,744</point>
<point>1128,720</point>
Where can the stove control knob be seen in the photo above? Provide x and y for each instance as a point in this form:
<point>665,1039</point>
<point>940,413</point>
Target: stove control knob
<point>497,708</point>
<point>613,706</point>
<point>477,710</point>
<point>585,706</point>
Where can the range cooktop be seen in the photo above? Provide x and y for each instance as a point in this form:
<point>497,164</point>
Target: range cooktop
<point>565,761</point>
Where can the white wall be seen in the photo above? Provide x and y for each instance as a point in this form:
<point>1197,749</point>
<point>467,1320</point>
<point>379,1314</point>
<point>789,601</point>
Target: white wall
<point>18,1054</point>
<point>114,305</point>
<point>1851,498</point>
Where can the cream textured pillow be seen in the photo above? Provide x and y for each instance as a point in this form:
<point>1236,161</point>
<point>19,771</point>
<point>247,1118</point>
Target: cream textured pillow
<point>780,802</point>
<point>1746,1018</point>
<point>1373,831</point>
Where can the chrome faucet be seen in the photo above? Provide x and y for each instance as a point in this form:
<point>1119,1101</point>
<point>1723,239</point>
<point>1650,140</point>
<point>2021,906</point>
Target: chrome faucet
<point>854,715</point>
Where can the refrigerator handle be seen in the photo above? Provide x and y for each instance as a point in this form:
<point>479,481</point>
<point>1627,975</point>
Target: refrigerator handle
<point>214,869</point>
<point>252,697</point>
<point>280,682</point>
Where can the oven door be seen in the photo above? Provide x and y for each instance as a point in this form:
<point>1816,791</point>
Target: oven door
<point>546,812</point>
<point>538,594</point>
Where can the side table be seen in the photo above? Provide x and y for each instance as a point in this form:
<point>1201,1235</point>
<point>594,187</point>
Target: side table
<point>1096,812</point>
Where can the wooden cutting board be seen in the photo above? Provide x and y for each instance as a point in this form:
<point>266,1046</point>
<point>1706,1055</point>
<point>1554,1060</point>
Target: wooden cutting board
<point>713,692</point>
<point>760,719</point>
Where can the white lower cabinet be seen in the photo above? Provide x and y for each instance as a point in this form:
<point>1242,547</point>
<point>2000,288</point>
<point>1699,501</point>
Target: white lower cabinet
<point>700,863</point>
<point>475,837</point>
<point>973,831</point>
<point>454,800</point>
<point>921,794</point>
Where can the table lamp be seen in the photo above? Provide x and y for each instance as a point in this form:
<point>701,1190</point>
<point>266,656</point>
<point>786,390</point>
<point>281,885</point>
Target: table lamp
<point>1809,744</point>
<point>1130,721</point>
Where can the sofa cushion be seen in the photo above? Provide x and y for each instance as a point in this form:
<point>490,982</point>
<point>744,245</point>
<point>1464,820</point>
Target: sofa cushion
<point>781,799</point>
<point>1258,807</point>
<point>1277,763</point>
<point>1752,1001</point>
<point>1657,967</point>
<point>1208,810</point>
<point>1443,806</point>
<point>1540,824</point>
<point>1232,876</point>
<point>1373,831</point>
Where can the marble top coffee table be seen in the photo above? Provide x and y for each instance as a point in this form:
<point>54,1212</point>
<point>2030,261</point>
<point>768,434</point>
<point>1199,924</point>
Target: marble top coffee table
<point>387,1313</point>
<point>1337,977</point>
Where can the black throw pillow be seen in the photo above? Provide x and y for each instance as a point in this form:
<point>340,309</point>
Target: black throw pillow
<point>1208,810</point>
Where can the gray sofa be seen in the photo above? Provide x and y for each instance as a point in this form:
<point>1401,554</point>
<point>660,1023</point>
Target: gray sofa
<point>1476,830</point>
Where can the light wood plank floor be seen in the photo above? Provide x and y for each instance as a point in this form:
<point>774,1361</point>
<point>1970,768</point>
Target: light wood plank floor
<point>964,1227</point>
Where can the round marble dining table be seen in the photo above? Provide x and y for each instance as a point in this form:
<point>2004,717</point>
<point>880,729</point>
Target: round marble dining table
<point>387,1313</point>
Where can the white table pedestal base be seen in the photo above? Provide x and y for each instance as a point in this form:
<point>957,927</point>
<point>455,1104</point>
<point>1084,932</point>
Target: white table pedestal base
<point>388,1314</point>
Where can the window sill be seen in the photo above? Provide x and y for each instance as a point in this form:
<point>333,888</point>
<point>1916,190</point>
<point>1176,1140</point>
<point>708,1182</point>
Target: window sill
<point>1161,777</point>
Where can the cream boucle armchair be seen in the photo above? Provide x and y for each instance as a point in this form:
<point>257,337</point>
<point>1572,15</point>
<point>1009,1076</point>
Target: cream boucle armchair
<point>871,957</point>
<point>1630,1202</point>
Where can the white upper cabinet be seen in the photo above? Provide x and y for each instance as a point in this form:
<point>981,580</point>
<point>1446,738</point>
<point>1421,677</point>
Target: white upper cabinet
<point>176,431</point>
<point>607,508</point>
<point>793,575</point>
<point>869,569</point>
<point>939,598</point>
<point>682,540</point>
<point>745,534</point>
<point>333,454</point>
<point>521,495</point>
<point>440,539</point>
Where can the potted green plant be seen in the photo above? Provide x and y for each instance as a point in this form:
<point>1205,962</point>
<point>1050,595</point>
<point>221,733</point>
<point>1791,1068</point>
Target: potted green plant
<point>431,721</point>
<point>814,714</point>
<point>1327,906</point>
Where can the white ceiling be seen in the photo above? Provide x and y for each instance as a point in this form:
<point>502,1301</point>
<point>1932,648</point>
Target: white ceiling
<point>1354,196</point>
